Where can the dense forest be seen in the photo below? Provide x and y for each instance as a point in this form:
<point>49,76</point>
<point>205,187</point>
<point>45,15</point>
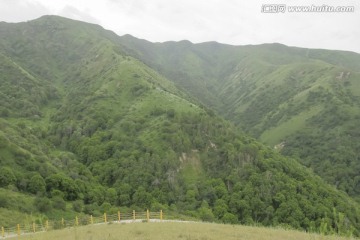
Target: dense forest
<point>89,126</point>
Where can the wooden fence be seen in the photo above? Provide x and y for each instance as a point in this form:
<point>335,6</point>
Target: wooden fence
<point>49,225</point>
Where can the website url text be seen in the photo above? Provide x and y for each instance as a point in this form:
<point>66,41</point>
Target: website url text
<point>282,8</point>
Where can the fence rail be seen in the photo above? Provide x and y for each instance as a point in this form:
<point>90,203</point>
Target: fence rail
<point>48,225</point>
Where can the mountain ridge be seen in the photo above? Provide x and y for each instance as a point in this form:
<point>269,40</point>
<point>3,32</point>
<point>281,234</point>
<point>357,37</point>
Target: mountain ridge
<point>106,130</point>
<point>269,91</point>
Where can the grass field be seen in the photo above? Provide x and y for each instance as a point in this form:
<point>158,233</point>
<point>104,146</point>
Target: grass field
<point>275,135</point>
<point>173,230</point>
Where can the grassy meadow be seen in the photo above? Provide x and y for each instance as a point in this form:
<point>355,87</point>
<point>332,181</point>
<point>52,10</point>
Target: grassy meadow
<point>174,230</point>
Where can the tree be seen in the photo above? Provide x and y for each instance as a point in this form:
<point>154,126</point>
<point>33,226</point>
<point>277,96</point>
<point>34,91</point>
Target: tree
<point>220,189</point>
<point>7,177</point>
<point>70,189</point>
<point>124,200</point>
<point>190,199</point>
<point>63,183</point>
<point>54,182</point>
<point>141,198</point>
<point>205,212</point>
<point>124,191</point>
<point>220,208</point>
<point>37,184</point>
<point>111,196</point>
<point>95,195</point>
<point>229,218</point>
<point>105,207</point>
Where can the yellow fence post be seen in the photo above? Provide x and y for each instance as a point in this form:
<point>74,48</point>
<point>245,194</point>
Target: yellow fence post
<point>34,227</point>
<point>161,215</point>
<point>119,216</point>
<point>134,216</point>
<point>76,221</point>
<point>2,232</point>
<point>91,219</point>
<point>62,223</point>
<point>147,215</point>
<point>47,225</point>
<point>18,229</point>
<point>105,218</point>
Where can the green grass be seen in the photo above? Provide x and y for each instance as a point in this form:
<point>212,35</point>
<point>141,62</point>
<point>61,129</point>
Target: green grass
<point>172,230</point>
<point>275,135</point>
<point>191,168</point>
<point>16,208</point>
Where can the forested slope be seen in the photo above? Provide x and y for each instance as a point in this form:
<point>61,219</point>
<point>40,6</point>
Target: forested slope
<point>87,127</point>
<point>304,102</point>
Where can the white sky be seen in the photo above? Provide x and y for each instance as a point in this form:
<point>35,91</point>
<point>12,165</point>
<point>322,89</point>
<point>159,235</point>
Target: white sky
<point>236,22</point>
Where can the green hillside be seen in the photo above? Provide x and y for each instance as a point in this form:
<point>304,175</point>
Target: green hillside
<point>88,126</point>
<point>305,101</point>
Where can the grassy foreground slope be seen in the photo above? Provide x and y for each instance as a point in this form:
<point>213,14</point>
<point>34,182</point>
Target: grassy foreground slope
<point>304,101</point>
<point>168,230</point>
<point>111,132</point>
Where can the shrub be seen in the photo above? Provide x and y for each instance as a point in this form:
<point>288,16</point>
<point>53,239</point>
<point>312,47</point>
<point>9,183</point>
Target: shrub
<point>78,206</point>
<point>59,203</point>
<point>3,201</point>
<point>43,204</point>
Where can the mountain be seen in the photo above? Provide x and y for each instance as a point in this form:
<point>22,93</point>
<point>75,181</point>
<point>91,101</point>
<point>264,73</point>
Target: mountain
<point>304,102</point>
<point>90,125</point>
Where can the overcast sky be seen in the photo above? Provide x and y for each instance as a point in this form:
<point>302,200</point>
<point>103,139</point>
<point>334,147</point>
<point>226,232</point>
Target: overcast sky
<point>236,22</point>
